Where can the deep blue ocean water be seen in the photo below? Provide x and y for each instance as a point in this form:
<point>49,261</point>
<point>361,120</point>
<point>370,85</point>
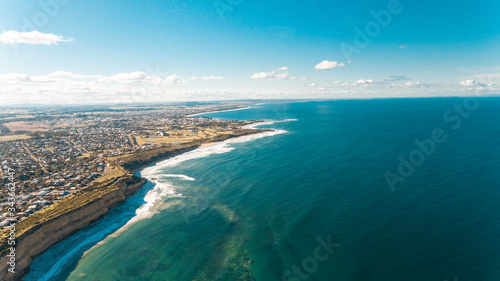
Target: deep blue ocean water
<point>314,203</point>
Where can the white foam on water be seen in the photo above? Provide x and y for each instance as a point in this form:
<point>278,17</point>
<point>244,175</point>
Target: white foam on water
<point>154,197</point>
<point>184,177</point>
<point>267,122</point>
<point>217,148</point>
<point>62,261</point>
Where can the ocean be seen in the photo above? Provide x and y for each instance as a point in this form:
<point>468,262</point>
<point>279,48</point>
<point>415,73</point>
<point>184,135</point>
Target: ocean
<point>383,190</point>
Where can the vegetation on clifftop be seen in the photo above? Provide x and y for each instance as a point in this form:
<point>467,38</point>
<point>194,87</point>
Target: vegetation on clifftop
<point>119,172</point>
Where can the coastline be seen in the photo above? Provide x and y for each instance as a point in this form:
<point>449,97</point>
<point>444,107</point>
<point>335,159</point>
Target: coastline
<point>217,111</point>
<point>41,237</point>
<point>57,229</point>
<point>161,190</point>
<point>208,144</point>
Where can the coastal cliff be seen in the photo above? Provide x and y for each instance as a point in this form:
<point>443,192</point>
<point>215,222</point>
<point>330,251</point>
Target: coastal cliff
<point>54,224</point>
<point>36,240</point>
<point>135,162</point>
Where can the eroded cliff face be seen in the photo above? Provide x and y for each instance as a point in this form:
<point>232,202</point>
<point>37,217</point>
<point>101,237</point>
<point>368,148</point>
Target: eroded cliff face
<point>38,239</point>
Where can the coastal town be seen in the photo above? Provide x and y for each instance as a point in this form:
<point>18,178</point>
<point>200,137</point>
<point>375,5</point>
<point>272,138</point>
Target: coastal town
<point>52,154</point>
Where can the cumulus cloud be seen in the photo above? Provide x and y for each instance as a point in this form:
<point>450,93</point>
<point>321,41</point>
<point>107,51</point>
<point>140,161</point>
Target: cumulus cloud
<point>471,83</point>
<point>63,86</point>
<point>24,78</point>
<point>417,84</point>
<point>31,37</point>
<point>71,75</point>
<point>328,65</point>
<point>15,77</point>
<point>283,68</point>
<point>312,85</point>
<point>281,73</point>
<point>140,77</point>
<point>171,79</point>
<point>212,78</point>
<point>69,78</point>
<point>127,80</point>
<point>392,82</point>
<point>262,75</point>
<point>364,82</point>
<point>133,77</point>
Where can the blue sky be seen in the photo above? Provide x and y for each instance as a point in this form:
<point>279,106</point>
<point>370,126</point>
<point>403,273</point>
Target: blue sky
<point>69,51</point>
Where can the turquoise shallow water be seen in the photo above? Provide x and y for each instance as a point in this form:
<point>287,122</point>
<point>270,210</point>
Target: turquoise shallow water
<point>265,209</point>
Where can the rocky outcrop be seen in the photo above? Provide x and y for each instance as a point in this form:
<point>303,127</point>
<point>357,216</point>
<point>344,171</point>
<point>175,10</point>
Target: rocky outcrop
<point>41,237</point>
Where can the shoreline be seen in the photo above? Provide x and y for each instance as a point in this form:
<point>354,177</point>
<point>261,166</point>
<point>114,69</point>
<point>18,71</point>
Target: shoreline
<point>137,171</point>
<point>23,269</point>
<point>217,111</point>
<point>208,144</point>
<point>147,171</point>
<point>35,241</point>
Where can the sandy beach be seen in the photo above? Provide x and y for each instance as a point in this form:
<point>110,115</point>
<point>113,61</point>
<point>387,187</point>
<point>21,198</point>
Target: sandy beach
<point>207,144</point>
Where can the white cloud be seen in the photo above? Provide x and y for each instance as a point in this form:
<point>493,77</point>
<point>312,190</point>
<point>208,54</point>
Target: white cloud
<point>171,79</point>
<point>141,77</point>
<point>213,78</point>
<point>262,75</point>
<point>72,75</point>
<point>363,81</point>
<point>15,77</point>
<point>397,83</point>
<point>68,87</point>
<point>65,76</point>
<point>64,86</point>
<point>283,68</point>
<point>416,84</point>
<point>281,73</point>
<point>471,83</point>
<point>328,65</point>
<point>132,77</point>
<point>32,37</point>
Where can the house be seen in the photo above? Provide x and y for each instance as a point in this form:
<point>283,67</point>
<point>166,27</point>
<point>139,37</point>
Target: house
<point>42,193</point>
